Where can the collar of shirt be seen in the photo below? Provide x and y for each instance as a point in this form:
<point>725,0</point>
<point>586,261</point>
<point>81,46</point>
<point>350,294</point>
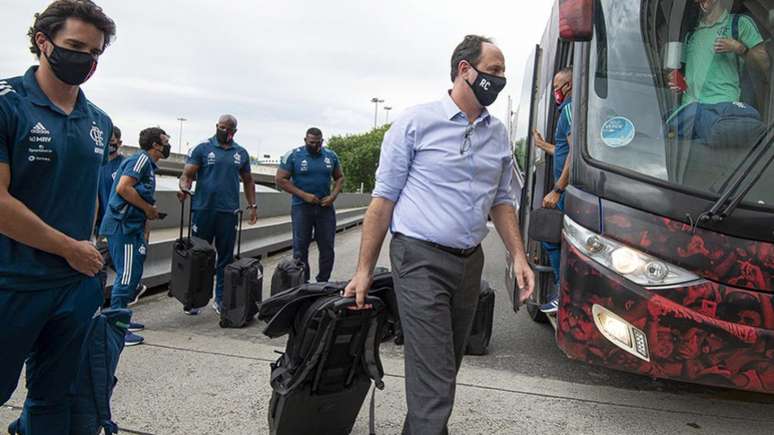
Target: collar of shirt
<point>39,98</point>
<point>567,101</point>
<point>214,142</point>
<point>721,20</point>
<point>150,159</point>
<point>453,111</point>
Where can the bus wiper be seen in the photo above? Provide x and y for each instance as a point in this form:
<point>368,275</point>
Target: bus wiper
<point>744,177</point>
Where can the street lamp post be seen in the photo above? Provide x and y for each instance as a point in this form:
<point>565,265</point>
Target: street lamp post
<point>376,102</point>
<point>387,114</point>
<point>180,139</point>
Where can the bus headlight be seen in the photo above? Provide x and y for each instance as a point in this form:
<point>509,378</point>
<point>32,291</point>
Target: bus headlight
<point>620,332</point>
<point>634,265</point>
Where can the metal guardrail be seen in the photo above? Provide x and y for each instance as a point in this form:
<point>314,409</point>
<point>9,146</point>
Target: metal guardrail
<point>258,240</point>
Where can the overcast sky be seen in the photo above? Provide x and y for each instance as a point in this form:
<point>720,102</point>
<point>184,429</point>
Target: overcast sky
<point>281,66</point>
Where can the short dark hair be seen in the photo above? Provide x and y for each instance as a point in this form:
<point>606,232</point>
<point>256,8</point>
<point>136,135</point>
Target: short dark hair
<point>314,131</point>
<point>149,136</point>
<point>116,132</point>
<point>53,18</point>
<point>469,50</point>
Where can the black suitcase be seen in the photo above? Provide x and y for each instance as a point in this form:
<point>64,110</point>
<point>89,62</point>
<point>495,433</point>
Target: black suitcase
<point>290,272</point>
<point>481,333</point>
<point>242,288</point>
<point>320,383</point>
<point>193,268</point>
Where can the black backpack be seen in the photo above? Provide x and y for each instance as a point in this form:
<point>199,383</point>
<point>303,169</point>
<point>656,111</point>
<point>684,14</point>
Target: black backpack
<point>320,382</point>
<point>290,272</point>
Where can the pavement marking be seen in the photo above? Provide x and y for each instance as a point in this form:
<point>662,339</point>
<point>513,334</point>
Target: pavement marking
<point>506,390</point>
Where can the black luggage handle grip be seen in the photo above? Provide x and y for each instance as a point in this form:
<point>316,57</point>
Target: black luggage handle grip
<point>344,303</point>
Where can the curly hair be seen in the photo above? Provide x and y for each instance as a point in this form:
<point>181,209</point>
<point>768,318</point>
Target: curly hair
<point>52,20</point>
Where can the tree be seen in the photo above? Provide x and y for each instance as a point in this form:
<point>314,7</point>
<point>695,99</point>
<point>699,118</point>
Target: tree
<point>359,157</point>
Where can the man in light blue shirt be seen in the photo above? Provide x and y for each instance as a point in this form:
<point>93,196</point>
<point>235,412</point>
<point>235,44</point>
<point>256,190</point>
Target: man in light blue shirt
<point>444,167</point>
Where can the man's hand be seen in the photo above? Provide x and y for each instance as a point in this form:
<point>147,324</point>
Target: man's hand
<point>151,213</point>
<point>84,257</point>
<point>310,198</point>
<point>552,199</point>
<point>540,142</point>
<point>253,215</point>
<point>181,195</point>
<point>525,278</point>
<point>729,45</point>
<point>328,201</point>
<point>358,288</point>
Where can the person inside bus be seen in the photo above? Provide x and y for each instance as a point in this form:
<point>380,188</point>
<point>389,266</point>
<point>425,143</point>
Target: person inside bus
<point>723,55</point>
<point>560,151</point>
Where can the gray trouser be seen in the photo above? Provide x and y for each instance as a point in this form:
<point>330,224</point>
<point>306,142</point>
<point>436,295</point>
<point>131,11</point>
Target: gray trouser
<point>437,296</point>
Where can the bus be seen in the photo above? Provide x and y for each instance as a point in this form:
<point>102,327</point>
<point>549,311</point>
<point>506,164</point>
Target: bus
<point>667,265</point>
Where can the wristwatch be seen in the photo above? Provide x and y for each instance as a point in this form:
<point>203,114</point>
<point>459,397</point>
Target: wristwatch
<point>255,206</point>
<point>558,190</point>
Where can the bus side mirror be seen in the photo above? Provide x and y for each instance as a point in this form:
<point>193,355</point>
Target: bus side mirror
<point>576,21</point>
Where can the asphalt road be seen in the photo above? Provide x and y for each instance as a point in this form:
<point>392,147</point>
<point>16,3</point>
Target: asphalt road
<point>192,377</point>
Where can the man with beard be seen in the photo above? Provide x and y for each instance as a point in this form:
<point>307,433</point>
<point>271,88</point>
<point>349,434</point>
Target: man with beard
<point>306,173</point>
<point>53,141</point>
<point>217,166</point>
<point>444,167</point>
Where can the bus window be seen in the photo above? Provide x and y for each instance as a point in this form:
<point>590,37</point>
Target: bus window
<point>521,132</point>
<point>680,90</point>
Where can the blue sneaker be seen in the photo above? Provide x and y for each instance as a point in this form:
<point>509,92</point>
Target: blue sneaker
<point>135,327</point>
<point>141,289</point>
<point>132,339</point>
<point>217,306</point>
<point>551,307</point>
<point>191,311</point>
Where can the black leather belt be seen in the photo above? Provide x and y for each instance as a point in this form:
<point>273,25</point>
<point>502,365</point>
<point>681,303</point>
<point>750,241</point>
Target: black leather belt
<point>459,252</point>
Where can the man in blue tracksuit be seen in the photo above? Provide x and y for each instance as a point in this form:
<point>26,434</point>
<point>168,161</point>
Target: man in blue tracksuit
<point>560,151</point>
<point>52,143</point>
<point>306,173</point>
<point>107,173</point>
<point>218,165</point>
<point>132,203</point>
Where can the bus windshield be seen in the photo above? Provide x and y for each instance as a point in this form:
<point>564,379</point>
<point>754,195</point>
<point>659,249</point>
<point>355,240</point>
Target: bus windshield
<point>680,90</point>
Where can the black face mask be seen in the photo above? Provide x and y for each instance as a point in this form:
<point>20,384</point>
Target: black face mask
<point>223,137</point>
<point>166,150</point>
<point>314,149</point>
<point>112,148</point>
<point>487,87</point>
<point>70,66</point>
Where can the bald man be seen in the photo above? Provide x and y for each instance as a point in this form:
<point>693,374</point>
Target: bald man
<point>218,165</point>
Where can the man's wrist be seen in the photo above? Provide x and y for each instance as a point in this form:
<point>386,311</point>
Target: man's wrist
<point>743,51</point>
<point>558,190</point>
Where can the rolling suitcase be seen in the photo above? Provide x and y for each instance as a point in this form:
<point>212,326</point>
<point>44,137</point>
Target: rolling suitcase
<point>321,381</point>
<point>242,288</point>
<point>193,268</point>
<point>290,272</point>
<point>481,333</point>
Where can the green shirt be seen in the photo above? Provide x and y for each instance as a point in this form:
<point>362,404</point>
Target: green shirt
<point>714,77</point>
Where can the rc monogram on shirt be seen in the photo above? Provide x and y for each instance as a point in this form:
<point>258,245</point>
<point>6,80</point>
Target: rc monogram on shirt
<point>237,159</point>
<point>210,158</point>
<point>304,166</point>
<point>328,163</point>
<point>97,135</point>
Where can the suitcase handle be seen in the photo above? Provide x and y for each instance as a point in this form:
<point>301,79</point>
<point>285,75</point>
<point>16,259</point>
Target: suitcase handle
<point>239,214</point>
<point>182,214</point>
<point>343,303</point>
